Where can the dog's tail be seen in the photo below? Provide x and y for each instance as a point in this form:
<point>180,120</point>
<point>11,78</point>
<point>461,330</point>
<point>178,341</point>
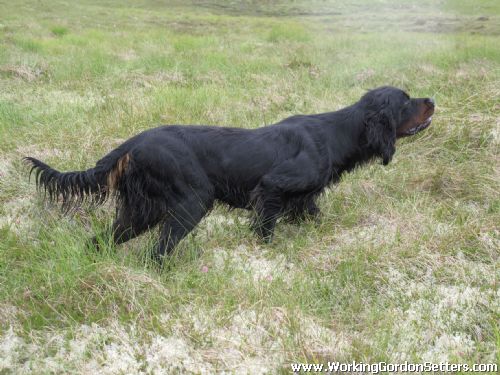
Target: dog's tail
<point>72,188</point>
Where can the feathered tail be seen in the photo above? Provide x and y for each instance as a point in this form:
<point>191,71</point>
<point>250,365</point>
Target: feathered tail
<point>72,188</point>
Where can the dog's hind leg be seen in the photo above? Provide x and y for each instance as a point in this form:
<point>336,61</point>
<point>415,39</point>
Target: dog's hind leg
<point>127,226</point>
<point>182,219</point>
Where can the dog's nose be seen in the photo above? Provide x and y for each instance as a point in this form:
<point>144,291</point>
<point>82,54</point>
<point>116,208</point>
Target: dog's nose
<point>430,102</point>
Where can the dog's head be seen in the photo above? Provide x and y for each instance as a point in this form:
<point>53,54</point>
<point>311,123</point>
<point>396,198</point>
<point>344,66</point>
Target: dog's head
<point>390,113</point>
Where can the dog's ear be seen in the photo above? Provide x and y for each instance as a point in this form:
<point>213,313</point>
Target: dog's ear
<point>381,133</point>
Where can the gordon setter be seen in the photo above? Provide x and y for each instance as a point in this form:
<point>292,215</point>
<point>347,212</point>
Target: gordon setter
<point>172,175</point>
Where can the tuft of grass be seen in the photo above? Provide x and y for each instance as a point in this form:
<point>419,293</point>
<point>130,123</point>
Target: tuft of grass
<point>59,31</point>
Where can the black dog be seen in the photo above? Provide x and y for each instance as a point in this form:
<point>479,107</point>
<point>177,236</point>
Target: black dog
<point>172,175</point>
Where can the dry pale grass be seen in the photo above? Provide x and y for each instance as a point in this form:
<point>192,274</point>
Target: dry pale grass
<point>249,342</point>
<point>24,72</point>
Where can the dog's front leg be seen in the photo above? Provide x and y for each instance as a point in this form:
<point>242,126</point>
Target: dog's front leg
<point>264,226</point>
<point>268,208</point>
<point>302,208</point>
<point>293,177</point>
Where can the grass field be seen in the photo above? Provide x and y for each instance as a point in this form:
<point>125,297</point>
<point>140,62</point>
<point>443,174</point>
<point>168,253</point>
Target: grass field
<point>403,264</point>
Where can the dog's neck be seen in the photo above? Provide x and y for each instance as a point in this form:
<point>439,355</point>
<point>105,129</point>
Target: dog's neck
<point>349,136</point>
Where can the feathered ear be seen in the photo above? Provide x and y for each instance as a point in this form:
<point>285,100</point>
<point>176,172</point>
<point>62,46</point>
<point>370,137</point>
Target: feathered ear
<point>381,134</point>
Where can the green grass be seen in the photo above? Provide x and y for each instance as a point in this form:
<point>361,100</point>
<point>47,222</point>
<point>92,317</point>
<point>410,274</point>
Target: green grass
<point>59,30</point>
<point>403,264</point>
